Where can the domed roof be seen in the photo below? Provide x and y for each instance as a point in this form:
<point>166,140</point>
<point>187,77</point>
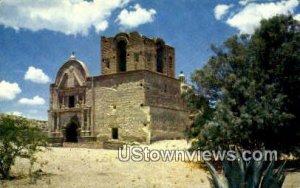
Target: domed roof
<point>72,64</point>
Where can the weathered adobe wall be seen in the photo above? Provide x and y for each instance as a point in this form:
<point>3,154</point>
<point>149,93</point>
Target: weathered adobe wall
<point>136,102</point>
<point>169,115</point>
<point>118,104</point>
<point>162,91</point>
<point>167,123</point>
<point>139,45</point>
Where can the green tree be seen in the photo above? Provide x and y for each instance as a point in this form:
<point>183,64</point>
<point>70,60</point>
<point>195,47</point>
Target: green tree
<point>18,139</point>
<point>254,80</point>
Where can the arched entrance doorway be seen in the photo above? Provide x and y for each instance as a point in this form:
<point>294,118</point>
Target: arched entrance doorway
<point>71,132</point>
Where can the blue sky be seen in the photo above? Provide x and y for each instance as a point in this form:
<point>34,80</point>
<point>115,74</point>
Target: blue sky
<point>37,37</point>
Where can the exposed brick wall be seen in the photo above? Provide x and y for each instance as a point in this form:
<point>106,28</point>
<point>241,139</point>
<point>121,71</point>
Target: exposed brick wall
<point>141,54</point>
<point>163,91</point>
<point>118,100</point>
<point>167,123</point>
<point>136,103</point>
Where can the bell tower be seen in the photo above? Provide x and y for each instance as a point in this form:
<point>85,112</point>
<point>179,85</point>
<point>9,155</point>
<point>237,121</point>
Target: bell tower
<point>131,51</point>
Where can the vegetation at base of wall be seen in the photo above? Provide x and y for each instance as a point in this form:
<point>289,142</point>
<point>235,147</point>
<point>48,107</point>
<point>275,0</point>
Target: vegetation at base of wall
<point>248,93</point>
<point>18,138</point>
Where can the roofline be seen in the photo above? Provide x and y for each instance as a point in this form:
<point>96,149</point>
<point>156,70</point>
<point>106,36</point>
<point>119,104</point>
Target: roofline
<point>129,72</point>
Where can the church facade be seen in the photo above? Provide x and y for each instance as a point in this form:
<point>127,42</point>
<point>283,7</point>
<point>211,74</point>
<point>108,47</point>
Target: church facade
<point>135,99</point>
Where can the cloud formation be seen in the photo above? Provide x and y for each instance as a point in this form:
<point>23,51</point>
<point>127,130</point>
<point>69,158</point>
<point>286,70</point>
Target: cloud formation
<point>15,113</point>
<point>297,17</point>
<point>36,75</point>
<point>249,17</point>
<point>135,16</point>
<point>245,2</point>
<point>8,91</point>
<point>220,10</point>
<point>34,101</point>
<point>68,16</point>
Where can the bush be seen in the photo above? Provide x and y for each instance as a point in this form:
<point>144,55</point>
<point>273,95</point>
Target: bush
<point>247,174</point>
<point>18,139</point>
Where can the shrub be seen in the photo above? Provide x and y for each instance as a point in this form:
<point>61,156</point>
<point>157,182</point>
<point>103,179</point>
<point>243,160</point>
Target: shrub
<point>18,139</point>
<point>247,174</point>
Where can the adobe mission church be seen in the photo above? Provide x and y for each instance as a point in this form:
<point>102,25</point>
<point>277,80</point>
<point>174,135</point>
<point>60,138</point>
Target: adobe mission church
<point>135,99</point>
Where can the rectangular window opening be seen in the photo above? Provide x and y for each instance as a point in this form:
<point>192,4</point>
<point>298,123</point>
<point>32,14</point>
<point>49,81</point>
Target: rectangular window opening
<point>71,101</point>
<point>115,133</point>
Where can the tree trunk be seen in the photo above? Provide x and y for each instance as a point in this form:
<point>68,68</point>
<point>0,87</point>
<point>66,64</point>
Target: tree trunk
<point>4,171</point>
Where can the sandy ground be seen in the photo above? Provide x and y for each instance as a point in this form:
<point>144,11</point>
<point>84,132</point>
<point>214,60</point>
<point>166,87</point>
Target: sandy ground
<point>79,167</point>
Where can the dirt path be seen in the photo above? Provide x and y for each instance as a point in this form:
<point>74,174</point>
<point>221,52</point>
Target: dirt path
<point>79,167</point>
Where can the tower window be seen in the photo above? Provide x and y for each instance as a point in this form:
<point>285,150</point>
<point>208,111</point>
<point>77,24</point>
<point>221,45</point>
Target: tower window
<point>115,133</point>
<point>121,55</point>
<point>159,57</point>
<point>71,101</point>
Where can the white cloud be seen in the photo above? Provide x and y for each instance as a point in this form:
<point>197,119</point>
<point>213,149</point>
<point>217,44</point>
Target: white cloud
<point>34,101</point>
<point>245,2</point>
<point>8,91</point>
<point>220,10</point>
<point>297,17</point>
<point>135,17</point>
<point>15,113</point>
<point>248,19</point>
<point>68,16</point>
<point>29,115</point>
<point>36,75</point>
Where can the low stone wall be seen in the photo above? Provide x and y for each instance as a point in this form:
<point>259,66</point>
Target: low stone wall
<point>111,144</point>
<point>56,141</point>
<point>90,145</point>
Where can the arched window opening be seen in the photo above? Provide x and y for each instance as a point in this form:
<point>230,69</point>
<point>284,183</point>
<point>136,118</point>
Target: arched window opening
<point>159,57</point>
<point>121,55</point>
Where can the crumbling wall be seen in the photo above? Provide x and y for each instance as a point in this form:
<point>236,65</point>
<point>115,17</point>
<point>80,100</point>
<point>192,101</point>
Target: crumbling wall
<point>141,54</point>
<point>119,103</point>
